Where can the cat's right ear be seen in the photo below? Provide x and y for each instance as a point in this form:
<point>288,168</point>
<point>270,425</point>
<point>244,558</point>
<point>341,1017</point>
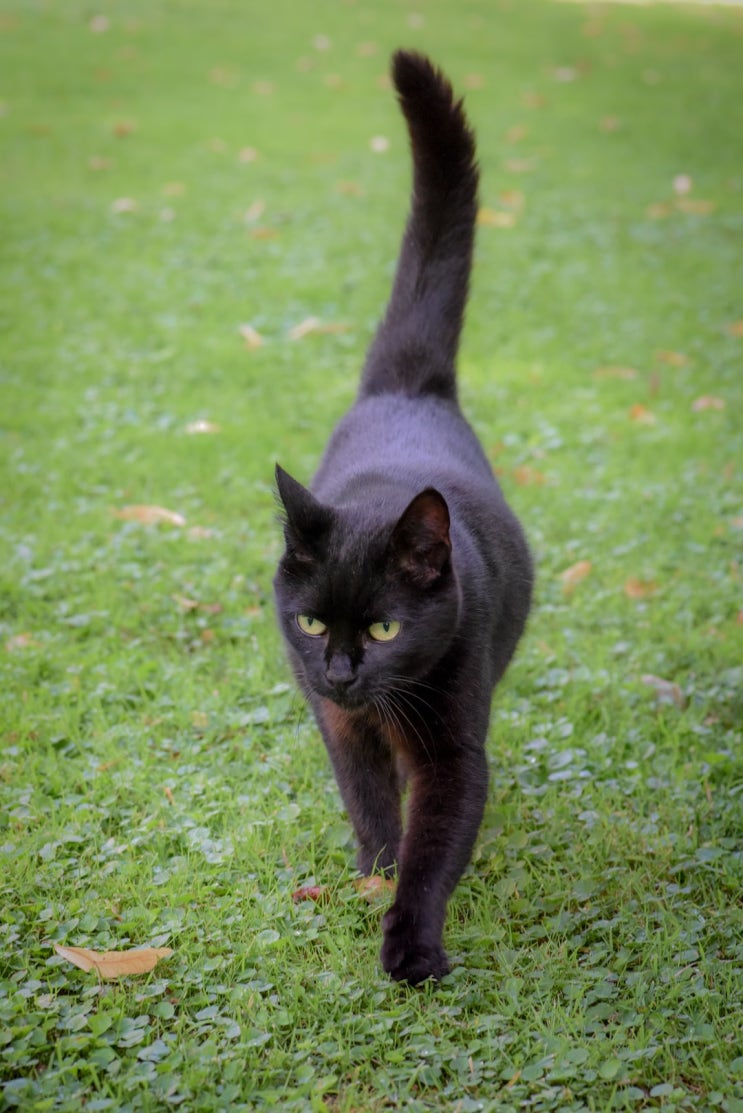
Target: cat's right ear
<point>306,521</point>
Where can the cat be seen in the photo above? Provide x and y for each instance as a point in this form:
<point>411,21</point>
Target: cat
<point>406,579</point>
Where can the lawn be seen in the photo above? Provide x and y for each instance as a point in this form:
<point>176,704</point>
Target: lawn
<point>201,204</point>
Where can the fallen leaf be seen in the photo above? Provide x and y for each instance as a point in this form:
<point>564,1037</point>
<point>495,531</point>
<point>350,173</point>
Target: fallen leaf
<point>516,133</point>
<point>255,211</point>
<point>334,81</point>
<point>639,589</point>
<point>520,165</point>
<point>322,42</point>
<point>708,402</point>
<point>526,476</point>
<point>185,603</point>
<point>173,189</point>
<point>533,100</point>
<point>122,128</point>
<point>375,888</point>
<point>366,49</point>
<point>313,325</point>
<point>99,24</point>
<point>20,641</point>
<point>350,189</point>
<point>97,162</point>
<point>202,426</point>
<point>263,233</point>
<point>564,73</point>
<point>573,575</point>
<point>642,415</point>
<point>626,373</point>
<point>263,88</point>
<point>695,206</point>
<point>317,893</point>
<point>474,81</point>
<point>114,964</point>
<point>379,144</point>
<point>247,154</point>
<point>251,336</point>
<point>492,218</point>
<point>169,794</point>
<point>659,210</point>
<point>674,359</point>
<point>124,205</point>
<point>735,328</point>
<point>512,198</point>
<point>150,515</point>
<point>199,719</point>
<point>665,691</point>
<point>610,123</point>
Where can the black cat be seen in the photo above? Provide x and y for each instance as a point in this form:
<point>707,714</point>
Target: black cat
<point>406,580</point>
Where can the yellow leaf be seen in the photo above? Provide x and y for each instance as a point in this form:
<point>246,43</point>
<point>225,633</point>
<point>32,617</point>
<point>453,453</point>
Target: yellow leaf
<point>574,574</point>
<point>375,888</point>
<point>313,325</point>
<point>492,218</point>
<point>251,336</point>
<point>114,964</point>
<point>150,515</point>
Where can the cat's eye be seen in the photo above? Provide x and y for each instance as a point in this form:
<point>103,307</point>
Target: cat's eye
<point>384,631</point>
<point>311,626</point>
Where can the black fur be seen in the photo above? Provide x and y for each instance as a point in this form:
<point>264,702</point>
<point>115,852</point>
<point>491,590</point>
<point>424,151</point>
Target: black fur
<point>405,523</point>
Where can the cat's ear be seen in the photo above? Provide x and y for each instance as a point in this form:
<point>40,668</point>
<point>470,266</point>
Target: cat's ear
<point>306,522</point>
<point>421,545</point>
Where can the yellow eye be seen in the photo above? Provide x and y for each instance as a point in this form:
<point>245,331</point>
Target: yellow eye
<point>311,626</point>
<point>384,631</point>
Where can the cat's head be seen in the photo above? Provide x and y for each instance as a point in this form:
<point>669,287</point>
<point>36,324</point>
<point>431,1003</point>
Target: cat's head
<point>366,605</point>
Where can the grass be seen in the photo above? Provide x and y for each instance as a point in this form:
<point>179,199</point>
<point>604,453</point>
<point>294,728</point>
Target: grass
<point>161,783</point>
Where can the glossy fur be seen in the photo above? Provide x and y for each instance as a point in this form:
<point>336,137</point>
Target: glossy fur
<point>405,522</point>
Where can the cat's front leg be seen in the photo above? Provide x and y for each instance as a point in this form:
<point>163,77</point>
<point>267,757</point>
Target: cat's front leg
<point>369,781</point>
<point>446,806</point>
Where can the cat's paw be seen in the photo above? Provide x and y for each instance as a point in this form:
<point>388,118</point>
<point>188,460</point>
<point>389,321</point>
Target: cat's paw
<point>406,958</point>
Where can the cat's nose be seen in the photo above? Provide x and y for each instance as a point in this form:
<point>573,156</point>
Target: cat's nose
<point>340,672</point>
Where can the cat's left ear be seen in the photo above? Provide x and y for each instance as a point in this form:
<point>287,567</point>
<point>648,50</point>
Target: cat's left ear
<point>420,541</point>
<point>307,522</point>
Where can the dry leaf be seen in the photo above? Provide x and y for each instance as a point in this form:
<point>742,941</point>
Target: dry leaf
<point>708,402</point>
<point>533,100</point>
<point>674,359</point>
<point>491,218</point>
<point>169,794</point>
<point>520,165</point>
<point>123,205</point>
<point>247,154</point>
<point>366,49</point>
<point>659,210</point>
<point>639,589</point>
<point>263,88</point>
<point>642,415</point>
<point>97,162</point>
<point>313,325</point>
<point>695,206</point>
<point>735,328</point>
<point>122,128</point>
<point>574,574</point>
<point>201,426</point>
<point>114,964</point>
<point>374,888</point>
<point>99,24</point>
<point>512,198</point>
<point>516,133</point>
<point>20,641</point>
<point>251,336</point>
<point>610,123</point>
<point>350,189</point>
<point>255,211</point>
<point>615,373</point>
<point>173,189</point>
<point>263,233</point>
<point>150,515</point>
<point>474,81</point>
<point>665,691</point>
<point>527,476</point>
<point>318,893</point>
<point>379,144</point>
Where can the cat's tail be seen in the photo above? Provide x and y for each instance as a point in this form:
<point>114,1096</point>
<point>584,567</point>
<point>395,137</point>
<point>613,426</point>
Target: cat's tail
<point>415,348</point>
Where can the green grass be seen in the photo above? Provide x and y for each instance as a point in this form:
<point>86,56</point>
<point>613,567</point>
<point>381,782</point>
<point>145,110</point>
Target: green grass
<point>160,781</point>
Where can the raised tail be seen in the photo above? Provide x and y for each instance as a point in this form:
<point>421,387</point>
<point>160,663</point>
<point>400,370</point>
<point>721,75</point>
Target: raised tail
<point>415,348</point>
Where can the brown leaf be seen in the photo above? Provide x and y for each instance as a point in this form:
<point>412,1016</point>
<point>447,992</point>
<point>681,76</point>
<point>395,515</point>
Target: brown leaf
<point>20,641</point>
<point>708,402</point>
<point>150,515</point>
<point>251,336</point>
<point>610,123</point>
<point>659,210</point>
<point>247,154</point>
<point>318,893</point>
<point>516,133</point>
<point>114,964</point>
<point>122,128</point>
<point>526,476</point>
<point>665,691</point>
<point>375,888</point>
<point>124,205</point>
<point>642,415</point>
<point>520,165</point>
<point>735,328</point>
<point>492,218</point>
<point>574,574</point>
<point>262,232</point>
<point>533,100</point>
<point>639,589</point>
<point>255,211</point>
<point>673,359</point>
<point>350,189</point>
<point>512,199</point>
<point>625,373</point>
<point>695,206</point>
<point>169,794</point>
<point>313,325</point>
